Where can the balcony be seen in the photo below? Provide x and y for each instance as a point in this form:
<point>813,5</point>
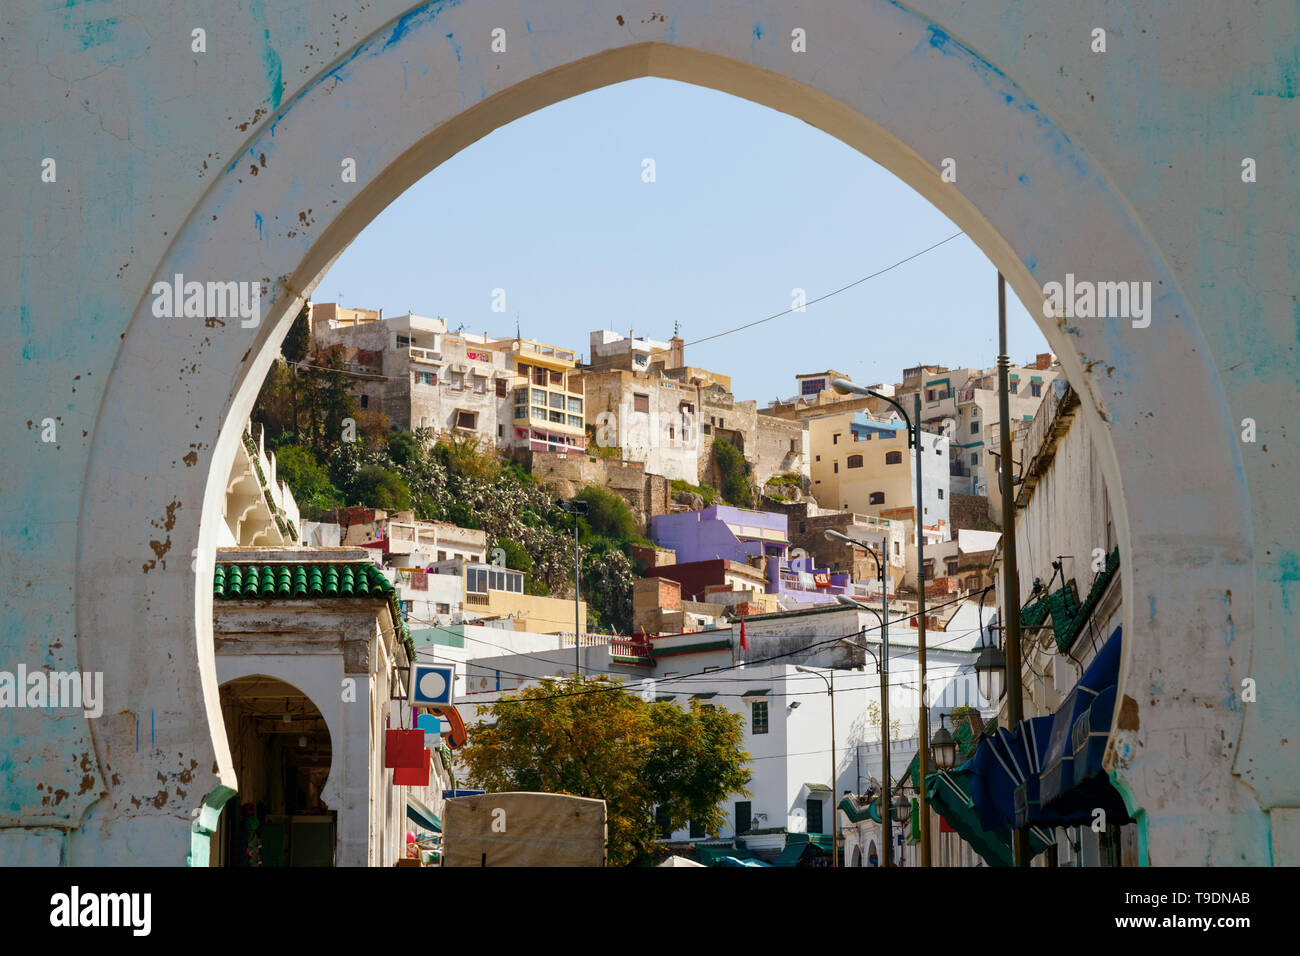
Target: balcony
<point>425,355</point>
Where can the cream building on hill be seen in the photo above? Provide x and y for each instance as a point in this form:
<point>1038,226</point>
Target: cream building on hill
<point>509,393</point>
<point>863,464</point>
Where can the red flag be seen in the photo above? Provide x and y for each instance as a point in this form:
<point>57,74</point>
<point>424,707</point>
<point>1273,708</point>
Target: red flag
<point>744,645</point>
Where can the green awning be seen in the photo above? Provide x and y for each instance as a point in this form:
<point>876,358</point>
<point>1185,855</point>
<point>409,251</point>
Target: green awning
<point>817,787</point>
<point>949,793</point>
<point>418,813</point>
<point>791,855</point>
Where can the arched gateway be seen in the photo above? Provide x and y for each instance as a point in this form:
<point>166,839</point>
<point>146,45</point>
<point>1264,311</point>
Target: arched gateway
<point>882,78</point>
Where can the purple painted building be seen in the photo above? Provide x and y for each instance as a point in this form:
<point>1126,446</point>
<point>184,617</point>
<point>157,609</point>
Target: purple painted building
<point>756,538</point>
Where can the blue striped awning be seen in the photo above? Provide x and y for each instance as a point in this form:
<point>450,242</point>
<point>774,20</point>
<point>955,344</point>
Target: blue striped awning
<point>419,814</point>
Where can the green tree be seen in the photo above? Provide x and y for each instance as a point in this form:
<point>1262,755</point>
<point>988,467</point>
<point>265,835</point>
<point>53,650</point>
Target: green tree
<point>378,487</point>
<point>587,737</point>
<point>327,398</point>
<point>308,480</point>
<point>608,514</point>
<point>735,472</point>
<point>403,447</point>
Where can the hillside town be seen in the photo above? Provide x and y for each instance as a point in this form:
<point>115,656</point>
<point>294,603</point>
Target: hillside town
<point>827,569</point>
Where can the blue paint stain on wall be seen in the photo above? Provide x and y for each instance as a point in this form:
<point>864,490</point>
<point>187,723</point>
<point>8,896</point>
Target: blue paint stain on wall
<point>270,59</point>
<point>455,46</point>
<point>93,33</point>
<point>1289,574</point>
<point>1023,179</point>
<point>757,35</point>
<point>258,217</point>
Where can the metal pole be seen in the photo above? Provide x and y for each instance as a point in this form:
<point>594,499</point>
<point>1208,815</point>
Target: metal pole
<point>835,813</point>
<point>886,808</point>
<point>920,635</point>
<point>577,613</point>
<point>1010,573</point>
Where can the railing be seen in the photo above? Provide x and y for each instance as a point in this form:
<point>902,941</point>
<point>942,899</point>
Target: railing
<point>625,647</point>
<point>588,639</point>
<point>425,355</point>
<point>478,600</point>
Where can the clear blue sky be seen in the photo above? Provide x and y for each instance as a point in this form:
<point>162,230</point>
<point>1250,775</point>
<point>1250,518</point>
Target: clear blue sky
<point>747,205</point>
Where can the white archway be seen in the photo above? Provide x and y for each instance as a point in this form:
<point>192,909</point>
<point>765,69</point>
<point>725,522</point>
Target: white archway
<point>888,83</point>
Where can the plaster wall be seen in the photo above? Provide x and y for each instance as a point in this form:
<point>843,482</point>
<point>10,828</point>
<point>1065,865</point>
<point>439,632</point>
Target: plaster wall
<point>1070,162</point>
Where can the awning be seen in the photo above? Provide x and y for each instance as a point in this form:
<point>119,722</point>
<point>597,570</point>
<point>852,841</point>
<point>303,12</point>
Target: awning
<point>950,796</point>
<point>1074,783</point>
<point>418,813</point>
<point>1026,777</point>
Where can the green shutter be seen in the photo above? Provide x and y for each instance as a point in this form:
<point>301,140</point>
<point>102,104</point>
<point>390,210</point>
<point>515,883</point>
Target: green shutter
<point>743,816</point>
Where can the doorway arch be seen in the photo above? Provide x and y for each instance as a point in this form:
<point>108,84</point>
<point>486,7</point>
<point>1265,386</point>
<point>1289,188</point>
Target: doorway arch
<point>896,87</point>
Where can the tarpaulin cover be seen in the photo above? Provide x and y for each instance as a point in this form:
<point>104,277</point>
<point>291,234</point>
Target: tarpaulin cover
<point>523,829</point>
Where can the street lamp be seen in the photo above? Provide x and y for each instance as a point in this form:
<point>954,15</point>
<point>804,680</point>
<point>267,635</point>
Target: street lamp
<point>575,507</point>
<point>835,814</point>
<point>913,422</point>
<point>991,669</point>
<point>882,668</point>
<point>902,809</point>
<point>944,746</point>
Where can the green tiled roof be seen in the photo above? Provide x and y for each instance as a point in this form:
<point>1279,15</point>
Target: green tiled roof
<point>299,580</point>
<point>310,580</point>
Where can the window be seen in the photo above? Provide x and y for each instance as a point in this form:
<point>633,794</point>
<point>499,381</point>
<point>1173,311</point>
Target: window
<point>877,498</point>
<point>539,397</point>
<point>974,428</point>
<point>575,421</point>
<point>744,816</point>
<point>575,405</point>
<point>539,413</point>
<point>501,431</point>
<point>501,388</point>
<point>1036,389</point>
<point>793,444</point>
<point>697,831</point>
<point>835,439</point>
<point>758,717</point>
<point>457,380</point>
<point>1012,387</point>
<point>640,403</point>
<point>539,376</point>
<point>708,429</point>
<point>557,378</point>
<point>854,461</point>
<point>898,549</point>
<point>661,821</point>
<point>365,400</point>
<point>836,467</point>
<point>814,808</point>
<point>476,580</point>
<point>941,494</point>
<point>893,458</point>
<point>929,394</point>
<point>522,369</point>
<point>426,378</point>
<point>974,458</point>
<point>442,555</point>
<point>557,417</point>
<point>819,457</point>
<point>557,400</point>
<point>403,341</point>
<point>466,420</point>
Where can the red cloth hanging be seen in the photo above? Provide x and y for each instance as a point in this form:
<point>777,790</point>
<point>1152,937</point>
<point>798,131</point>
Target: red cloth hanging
<point>403,748</point>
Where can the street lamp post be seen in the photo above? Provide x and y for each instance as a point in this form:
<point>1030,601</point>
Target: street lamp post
<point>835,816</point>
<point>882,668</point>
<point>1010,573</point>
<point>913,422</point>
<point>575,507</point>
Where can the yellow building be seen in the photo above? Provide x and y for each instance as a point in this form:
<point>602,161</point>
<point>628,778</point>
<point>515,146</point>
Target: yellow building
<point>495,592</point>
<point>862,463</point>
<point>548,406</point>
